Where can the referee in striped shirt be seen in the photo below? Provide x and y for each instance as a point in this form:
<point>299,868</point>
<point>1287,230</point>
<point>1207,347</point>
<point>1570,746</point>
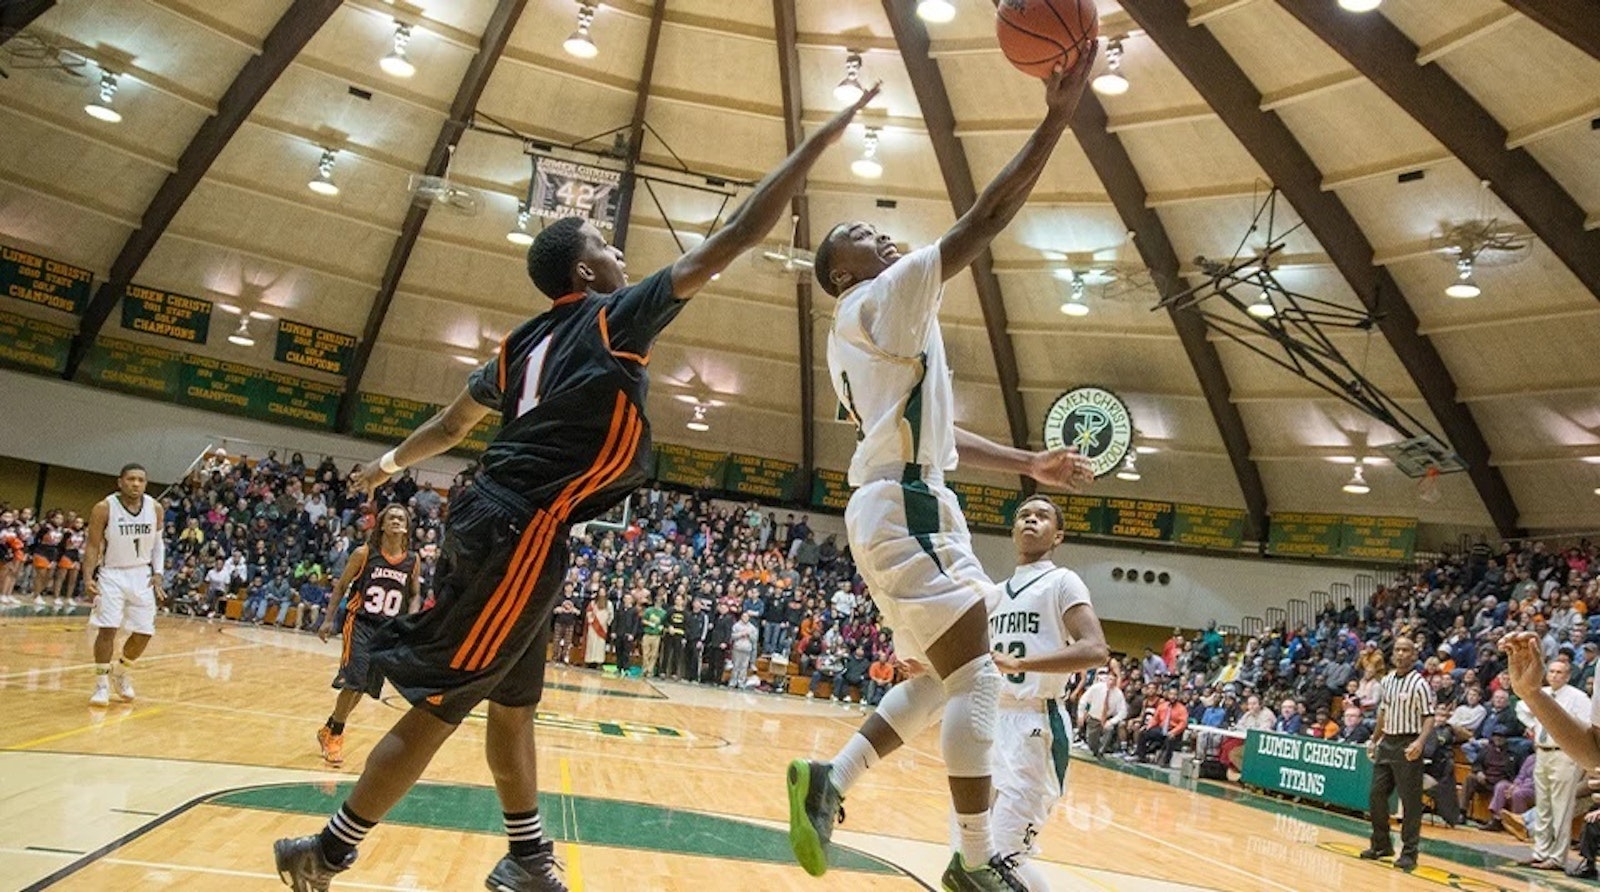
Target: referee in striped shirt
<point>1405,717</point>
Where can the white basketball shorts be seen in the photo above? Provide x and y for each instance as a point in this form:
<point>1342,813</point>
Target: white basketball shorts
<point>127,601</point>
<point>1031,748</point>
<point>911,545</point>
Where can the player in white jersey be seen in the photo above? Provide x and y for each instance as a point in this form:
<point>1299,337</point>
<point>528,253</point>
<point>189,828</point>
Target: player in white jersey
<point>1043,629</point>
<point>887,361</point>
<point>122,567</point>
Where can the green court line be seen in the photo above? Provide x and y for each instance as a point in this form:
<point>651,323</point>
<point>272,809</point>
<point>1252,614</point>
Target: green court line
<point>605,822</point>
<point>582,689</point>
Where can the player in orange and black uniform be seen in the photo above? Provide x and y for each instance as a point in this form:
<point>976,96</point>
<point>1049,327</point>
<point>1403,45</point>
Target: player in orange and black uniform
<point>71,561</point>
<point>46,552</point>
<point>379,583</point>
<point>570,385</point>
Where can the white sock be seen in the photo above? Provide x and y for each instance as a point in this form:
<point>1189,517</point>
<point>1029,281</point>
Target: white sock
<point>976,844</point>
<point>852,762</point>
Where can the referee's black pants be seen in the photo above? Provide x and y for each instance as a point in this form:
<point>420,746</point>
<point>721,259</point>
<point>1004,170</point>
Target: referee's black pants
<point>1392,771</point>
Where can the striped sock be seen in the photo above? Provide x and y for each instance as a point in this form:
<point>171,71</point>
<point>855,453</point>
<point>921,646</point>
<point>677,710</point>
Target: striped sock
<point>102,669</point>
<point>526,831</point>
<point>125,665</point>
<point>344,832</point>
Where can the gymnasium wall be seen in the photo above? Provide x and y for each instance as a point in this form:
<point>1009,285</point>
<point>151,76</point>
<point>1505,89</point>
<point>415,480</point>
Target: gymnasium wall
<point>1200,589</point>
<point>62,424</point>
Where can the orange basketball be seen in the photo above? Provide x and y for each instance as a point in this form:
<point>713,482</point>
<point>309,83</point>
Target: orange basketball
<point>1038,35</point>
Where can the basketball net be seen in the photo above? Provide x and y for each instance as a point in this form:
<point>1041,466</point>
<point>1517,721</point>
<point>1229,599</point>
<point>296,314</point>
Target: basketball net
<point>1428,486</point>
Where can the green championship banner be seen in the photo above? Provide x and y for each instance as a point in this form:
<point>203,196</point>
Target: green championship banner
<point>33,345</point>
<point>685,466</point>
<point>987,507</point>
<point>44,282</point>
<point>830,489</point>
<point>1081,515</point>
<point>481,435</point>
<point>762,478</point>
<point>166,315</point>
<point>269,396</point>
<point>1304,535</point>
<point>296,401</point>
<point>1378,538</point>
<point>1137,519</point>
<point>314,348</point>
<point>133,368</point>
<point>1204,526</point>
<point>388,418</point>
<point>1327,771</point>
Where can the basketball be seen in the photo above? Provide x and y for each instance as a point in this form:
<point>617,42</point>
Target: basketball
<point>1038,35</point>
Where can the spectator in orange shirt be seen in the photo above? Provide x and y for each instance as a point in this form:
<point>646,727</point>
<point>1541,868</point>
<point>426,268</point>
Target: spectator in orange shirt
<point>880,677</point>
<point>1324,726</point>
<point>1165,728</point>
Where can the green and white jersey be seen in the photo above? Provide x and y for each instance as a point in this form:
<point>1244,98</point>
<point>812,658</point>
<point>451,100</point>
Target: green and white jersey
<point>1025,619</point>
<point>887,361</point>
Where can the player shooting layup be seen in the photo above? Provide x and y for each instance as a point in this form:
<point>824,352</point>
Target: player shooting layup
<point>570,386</point>
<point>907,535</point>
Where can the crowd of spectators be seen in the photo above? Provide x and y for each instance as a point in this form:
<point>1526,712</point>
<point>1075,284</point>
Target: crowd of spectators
<point>1320,679</point>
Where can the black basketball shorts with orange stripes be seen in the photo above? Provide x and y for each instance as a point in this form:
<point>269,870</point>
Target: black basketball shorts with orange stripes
<point>500,569</point>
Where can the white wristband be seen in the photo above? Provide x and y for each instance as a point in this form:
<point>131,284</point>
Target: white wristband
<point>388,464</point>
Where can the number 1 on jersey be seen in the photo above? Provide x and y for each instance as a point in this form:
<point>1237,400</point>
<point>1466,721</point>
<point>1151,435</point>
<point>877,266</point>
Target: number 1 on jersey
<point>531,376</point>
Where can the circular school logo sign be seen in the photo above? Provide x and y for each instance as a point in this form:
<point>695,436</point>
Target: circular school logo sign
<point>1094,420</point>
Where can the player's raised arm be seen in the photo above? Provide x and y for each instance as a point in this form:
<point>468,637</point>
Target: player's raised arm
<point>1005,196</point>
<point>1056,467</point>
<point>437,435</point>
<point>756,216</point>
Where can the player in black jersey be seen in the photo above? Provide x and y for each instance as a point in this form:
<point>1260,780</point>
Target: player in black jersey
<point>570,387</point>
<point>379,582</point>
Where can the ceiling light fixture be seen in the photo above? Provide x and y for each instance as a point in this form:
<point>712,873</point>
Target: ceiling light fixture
<point>698,422</point>
<point>579,43</point>
<point>849,90</point>
<point>1262,308</point>
<point>396,64</point>
<point>1359,5</point>
<point>323,183</point>
<point>1147,450</point>
<point>1075,304</point>
<point>1112,83</point>
<point>936,11</point>
<point>242,337</point>
<point>520,235</point>
<point>1358,484</point>
<point>1129,471</point>
<point>464,359</point>
<point>867,166</point>
<point>101,109</point>
<point>1463,287</point>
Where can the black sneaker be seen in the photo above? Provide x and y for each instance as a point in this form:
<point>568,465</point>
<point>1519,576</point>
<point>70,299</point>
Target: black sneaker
<point>302,866</point>
<point>533,873</point>
<point>1375,855</point>
<point>814,806</point>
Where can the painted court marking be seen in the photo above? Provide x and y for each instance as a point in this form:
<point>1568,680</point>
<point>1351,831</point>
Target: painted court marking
<point>92,726</point>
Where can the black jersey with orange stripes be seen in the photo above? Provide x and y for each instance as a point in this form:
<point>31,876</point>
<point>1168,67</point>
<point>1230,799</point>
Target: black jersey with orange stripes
<point>570,385</point>
<point>383,586</point>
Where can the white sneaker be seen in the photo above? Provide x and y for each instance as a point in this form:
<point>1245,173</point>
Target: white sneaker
<point>102,693</point>
<point>124,685</point>
<point>61,602</point>
<point>39,601</point>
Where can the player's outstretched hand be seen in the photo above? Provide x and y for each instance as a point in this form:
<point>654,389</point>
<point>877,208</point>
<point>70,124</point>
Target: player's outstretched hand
<point>1062,467</point>
<point>835,127</point>
<point>1064,87</point>
<point>1526,662</point>
<point>369,476</point>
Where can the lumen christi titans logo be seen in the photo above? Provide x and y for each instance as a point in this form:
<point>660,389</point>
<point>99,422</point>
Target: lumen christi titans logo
<point>1094,420</point>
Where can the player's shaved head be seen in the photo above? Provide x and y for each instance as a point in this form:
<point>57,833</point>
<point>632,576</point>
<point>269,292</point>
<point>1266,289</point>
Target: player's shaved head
<point>852,253</point>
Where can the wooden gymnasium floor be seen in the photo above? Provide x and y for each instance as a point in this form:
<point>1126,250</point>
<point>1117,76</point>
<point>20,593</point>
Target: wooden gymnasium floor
<point>649,787</point>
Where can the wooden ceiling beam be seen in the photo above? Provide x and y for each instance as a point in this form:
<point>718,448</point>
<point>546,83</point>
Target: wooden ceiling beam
<point>288,37</point>
<point>1574,21</point>
<point>1212,72</point>
<point>934,100</point>
<point>1115,168</point>
<point>641,103</point>
<point>1386,56</point>
<point>783,14</point>
<point>16,16</point>
<point>495,36</point>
